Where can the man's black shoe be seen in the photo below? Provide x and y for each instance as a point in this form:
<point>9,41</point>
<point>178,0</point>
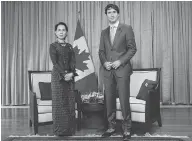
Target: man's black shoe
<point>108,134</point>
<point>126,137</point>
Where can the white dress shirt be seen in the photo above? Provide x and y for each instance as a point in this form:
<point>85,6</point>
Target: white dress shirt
<point>114,25</point>
<point>113,29</point>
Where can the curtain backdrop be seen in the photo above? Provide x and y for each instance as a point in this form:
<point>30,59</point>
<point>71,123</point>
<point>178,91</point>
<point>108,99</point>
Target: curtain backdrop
<point>163,32</point>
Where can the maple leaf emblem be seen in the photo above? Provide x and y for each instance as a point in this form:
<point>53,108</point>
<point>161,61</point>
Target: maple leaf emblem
<point>80,58</point>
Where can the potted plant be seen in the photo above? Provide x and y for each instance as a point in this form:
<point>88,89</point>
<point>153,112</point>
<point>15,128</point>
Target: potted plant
<point>92,101</point>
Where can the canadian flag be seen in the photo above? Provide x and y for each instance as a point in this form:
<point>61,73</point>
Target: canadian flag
<point>86,81</point>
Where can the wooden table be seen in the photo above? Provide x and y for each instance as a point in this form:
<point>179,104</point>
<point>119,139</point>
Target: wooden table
<point>93,115</point>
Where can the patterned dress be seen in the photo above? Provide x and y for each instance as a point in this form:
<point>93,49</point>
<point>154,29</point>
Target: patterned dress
<point>63,99</point>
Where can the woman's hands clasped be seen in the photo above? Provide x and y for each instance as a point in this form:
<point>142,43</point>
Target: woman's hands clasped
<point>68,76</point>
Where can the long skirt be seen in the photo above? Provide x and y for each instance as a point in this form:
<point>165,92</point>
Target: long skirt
<point>63,107</point>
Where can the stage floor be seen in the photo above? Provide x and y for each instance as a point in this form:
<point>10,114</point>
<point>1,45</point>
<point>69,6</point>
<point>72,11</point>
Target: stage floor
<point>176,120</point>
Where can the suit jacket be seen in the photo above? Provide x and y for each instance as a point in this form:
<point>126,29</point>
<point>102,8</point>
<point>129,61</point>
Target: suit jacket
<point>123,49</point>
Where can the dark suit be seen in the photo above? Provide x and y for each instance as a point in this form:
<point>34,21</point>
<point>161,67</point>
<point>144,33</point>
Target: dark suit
<point>123,49</point>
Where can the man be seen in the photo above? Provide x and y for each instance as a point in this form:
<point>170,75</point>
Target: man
<point>117,47</point>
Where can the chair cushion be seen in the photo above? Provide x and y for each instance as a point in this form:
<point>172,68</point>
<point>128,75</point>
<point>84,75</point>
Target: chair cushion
<point>44,102</point>
<point>135,116</point>
<point>133,100</point>
<point>47,117</point>
<point>137,109</point>
<point>45,106</point>
<point>37,77</point>
<point>135,104</point>
<point>45,90</point>
<point>44,109</point>
<point>137,79</point>
<point>47,109</point>
<point>145,87</point>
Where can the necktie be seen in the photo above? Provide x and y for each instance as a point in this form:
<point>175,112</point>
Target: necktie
<point>112,34</point>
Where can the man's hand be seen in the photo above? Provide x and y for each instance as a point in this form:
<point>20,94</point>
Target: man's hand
<point>68,76</point>
<point>107,65</point>
<point>116,64</point>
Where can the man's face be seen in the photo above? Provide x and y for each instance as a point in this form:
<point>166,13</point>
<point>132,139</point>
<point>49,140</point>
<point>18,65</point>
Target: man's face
<point>61,32</point>
<point>112,15</point>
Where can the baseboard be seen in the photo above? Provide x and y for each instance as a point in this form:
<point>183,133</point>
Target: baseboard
<point>161,106</point>
<point>175,106</point>
<point>19,106</point>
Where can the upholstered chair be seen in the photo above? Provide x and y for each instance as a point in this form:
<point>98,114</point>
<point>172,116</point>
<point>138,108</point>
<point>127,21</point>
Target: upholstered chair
<point>41,105</point>
<point>144,97</point>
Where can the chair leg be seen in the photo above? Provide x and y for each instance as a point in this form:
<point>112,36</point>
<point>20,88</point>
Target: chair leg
<point>79,121</point>
<point>147,126</point>
<point>35,129</point>
<point>78,125</point>
<point>30,123</point>
<point>159,121</point>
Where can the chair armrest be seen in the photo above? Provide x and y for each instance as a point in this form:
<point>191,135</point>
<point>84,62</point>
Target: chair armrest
<point>79,107</point>
<point>33,107</point>
<point>78,100</point>
<point>152,104</point>
<point>152,94</point>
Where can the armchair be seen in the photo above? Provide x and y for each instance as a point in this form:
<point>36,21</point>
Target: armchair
<point>148,110</point>
<point>144,111</point>
<point>41,110</point>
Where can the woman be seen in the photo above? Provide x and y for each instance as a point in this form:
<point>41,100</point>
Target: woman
<point>62,82</point>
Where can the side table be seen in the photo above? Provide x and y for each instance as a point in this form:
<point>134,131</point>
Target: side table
<point>93,115</point>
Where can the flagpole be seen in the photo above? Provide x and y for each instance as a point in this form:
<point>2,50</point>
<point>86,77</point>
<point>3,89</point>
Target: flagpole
<point>84,69</point>
<point>79,15</point>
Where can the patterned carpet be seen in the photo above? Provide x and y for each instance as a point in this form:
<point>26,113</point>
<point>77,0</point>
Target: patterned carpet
<point>94,138</point>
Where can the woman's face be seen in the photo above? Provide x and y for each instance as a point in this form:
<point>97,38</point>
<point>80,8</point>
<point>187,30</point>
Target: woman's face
<point>61,32</point>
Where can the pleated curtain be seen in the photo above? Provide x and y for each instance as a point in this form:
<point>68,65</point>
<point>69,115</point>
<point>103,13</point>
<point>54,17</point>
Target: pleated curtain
<point>163,33</point>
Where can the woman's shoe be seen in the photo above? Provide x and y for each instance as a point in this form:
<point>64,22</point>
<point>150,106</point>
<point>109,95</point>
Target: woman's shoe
<point>108,133</point>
